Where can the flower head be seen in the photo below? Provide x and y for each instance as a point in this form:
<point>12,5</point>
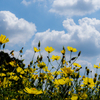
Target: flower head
<point>67,70</point>
<point>3,39</point>
<point>76,64</point>
<point>55,57</point>
<point>41,65</point>
<point>63,51</point>
<point>71,49</point>
<point>36,50</point>
<point>89,82</point>
<point>49,49</point>
<point>96,66</point>
<point>32,91</point>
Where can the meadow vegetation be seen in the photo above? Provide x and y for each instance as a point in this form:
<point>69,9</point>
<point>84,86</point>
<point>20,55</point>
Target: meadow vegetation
<point>38,82</point>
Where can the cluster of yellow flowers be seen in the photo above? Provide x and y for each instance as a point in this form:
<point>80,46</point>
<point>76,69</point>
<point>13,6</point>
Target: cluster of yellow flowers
<point>38,82</point>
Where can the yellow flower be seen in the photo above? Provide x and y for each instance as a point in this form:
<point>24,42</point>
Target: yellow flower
<point>5,82</point>
<point>20,70</point>
<point>3,39</point>
<point>67,70</point>
<point>12,63</point>
<point>55,57</point>
<point>10,73</point>
<point>89,82</point>
<point>49,49</point>
<point>74,97</point>
<point>14,78</point>
<point>63,81</point>
<point>2,74</point>
<point>71,49</point>
<point>36,50</point>
<point>96,66</point>
<point>63,51</point>
<point>41,65</point>
<point>32,91</point>
<point>76,64</point>
<point>59,82</point>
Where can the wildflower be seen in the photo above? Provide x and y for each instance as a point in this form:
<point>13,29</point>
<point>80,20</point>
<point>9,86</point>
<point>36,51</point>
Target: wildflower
<point>41,65</point>
<point>32,91</point>
<point>49,49</point>
<point>71,49</point>
<point>2,74</point>
<point>67,70</point>
<point>14,78</point>
<point>76,64</point>
<point>6,82</point>
<point>59,82</point>
<point>74,97</point>
<point>96,66</point>
<point>20,70</point>
<point>3,39</point>
<point>55,57</point>
<point>36,50</point>
<point>89,82</point>
<point>63,51</point>
<point>12,63</point>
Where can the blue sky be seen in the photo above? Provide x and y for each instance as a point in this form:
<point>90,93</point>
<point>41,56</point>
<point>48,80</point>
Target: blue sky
<point>55,23</point>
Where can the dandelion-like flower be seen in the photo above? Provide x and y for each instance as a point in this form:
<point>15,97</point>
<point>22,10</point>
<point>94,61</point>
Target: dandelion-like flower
<point>3,39</point>
<point>36,50</point>
<point>71,49</point>
<point>49,49</point>
<point>96,66</point>
<point>76,64</point>
<point>32,91</point>
<point>55,57</point>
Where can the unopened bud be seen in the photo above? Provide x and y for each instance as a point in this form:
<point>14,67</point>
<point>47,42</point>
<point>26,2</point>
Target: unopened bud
<point>95,74</point>
<point>94,79</point>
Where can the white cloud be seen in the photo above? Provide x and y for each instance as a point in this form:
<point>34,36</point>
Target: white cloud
<point>19,31</point>
<point>75,7</point>
<point>88,29</point>
<point>85,36</point>
<point>26,3</point>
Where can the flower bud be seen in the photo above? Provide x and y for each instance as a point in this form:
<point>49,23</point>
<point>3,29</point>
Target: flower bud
<point>39,44</point>
<point>87,71</point>
<point>83,76</point>
<point>94,79</point>
<point>95,74</point>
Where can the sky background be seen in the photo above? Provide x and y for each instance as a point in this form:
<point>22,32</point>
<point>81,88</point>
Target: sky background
<point>55,23</point>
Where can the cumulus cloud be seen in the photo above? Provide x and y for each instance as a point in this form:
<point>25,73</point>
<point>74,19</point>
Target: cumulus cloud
<point>75,7</point>
<point>19,31</point>
<point>85,36</point>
